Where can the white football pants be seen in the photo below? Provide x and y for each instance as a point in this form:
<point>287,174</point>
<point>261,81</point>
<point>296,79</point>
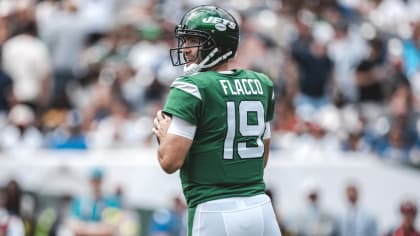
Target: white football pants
<point>237,216</point>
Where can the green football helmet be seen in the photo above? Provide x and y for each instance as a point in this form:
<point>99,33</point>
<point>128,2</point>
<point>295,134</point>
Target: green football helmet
<point>218,34</point>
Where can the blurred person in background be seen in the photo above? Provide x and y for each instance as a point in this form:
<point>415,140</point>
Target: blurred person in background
<point>170,222</point>
<point>6,85</point>
<point>28,62</point>
<point>87,210</point>
<point>4,216</point>
<point>69,134</point>
<point>121,128</point>
<point>11,223</point>
<point>21,135</point>
<point>357,138</point>
<point>396,144</point>
<point>411,52</point>
<point>355,221</point>
<point>53,220</point>
<point>345,37</point>
<point>309,51</point>
<point>66,37</point>
<point>408,211</point>
<point>287,119</point>
<point>399,95</point>
<point>370,74</point>
<point>313,220</point>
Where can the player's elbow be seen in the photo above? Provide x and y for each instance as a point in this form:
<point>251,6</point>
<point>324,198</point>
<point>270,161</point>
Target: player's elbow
<point>169,169</point>
<point>168,164</point>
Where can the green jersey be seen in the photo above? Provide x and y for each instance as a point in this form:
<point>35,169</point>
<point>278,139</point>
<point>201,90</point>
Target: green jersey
<point>230,112</point>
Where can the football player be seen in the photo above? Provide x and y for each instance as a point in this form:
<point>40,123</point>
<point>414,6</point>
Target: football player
<point>215,128</point>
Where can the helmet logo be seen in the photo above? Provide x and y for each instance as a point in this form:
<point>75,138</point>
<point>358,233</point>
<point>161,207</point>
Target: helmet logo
<point>220,27</point>
<point>219,23</point>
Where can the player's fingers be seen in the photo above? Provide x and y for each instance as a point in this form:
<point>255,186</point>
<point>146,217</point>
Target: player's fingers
<point>160,115</point>
<point>156,123</point>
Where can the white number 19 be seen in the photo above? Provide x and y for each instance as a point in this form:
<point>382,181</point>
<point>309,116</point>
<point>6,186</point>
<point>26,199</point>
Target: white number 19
<point>245,129</point>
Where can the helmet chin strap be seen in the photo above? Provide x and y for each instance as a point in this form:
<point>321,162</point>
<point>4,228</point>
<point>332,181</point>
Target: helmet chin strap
<point>194,68</point>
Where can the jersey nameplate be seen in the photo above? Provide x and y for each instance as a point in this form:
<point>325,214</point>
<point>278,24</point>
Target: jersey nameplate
<point>241,87</point>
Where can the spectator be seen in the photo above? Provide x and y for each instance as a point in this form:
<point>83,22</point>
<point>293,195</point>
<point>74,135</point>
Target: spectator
<point>315,68</point>
<point>119,129</point>
<point>286,117</point>
<point>87,211</point>
<point>11,223</point>
<point>355,221</point>
<point>357,137</point>
<point>411,52</point>
<point>67,35</point>
<point>369,74</point>
<point>409,212</point>
<point>21,135</point>
<point>170,222</point>
<point>69,135</point>
<point>53,220</point>
<point>346,36</point>
<point>27,60</point>
<point>313,221</point>
<point>6,85</point>
<point>396,145</point>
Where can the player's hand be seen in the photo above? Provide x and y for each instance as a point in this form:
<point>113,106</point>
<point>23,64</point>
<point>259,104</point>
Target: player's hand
<point>160,125</point>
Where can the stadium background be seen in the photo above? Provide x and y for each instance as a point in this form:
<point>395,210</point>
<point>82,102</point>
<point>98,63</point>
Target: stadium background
<point>80,81</point>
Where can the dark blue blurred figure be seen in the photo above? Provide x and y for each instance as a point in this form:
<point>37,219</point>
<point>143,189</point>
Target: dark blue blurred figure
<point>169,222</point>
<point>315,70</point>
<point>396,145</point>
<point>5,91</point>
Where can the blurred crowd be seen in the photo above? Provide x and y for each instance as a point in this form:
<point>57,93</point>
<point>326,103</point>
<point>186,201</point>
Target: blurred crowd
<point>88,74</point>
<point>99,212</point>
<point>96,212</point>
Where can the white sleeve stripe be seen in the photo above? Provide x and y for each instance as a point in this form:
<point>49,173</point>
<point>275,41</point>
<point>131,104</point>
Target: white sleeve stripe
<point>267,132</point>
<point>187,87</point>
<point>182,128</point>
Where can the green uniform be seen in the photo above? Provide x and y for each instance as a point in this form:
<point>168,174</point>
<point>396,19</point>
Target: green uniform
<point>230,112</point>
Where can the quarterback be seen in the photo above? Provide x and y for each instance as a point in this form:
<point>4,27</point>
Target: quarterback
<point>215,129</point>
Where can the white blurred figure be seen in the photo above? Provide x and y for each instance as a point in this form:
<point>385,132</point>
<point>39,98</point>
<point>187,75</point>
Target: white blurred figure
<point>395,16</point>
<point>356,221</point>
<point>356,137</point>
<point>313,220</point>
<point>321,131</point>
<point>27,60</point>
<point>120,129</point>
<point>20,135</point>
<point>344,60</point>
<point>99,14</point>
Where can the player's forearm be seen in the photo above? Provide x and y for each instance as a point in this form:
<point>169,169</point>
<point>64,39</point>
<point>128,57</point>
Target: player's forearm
<point>172,151</point>
<point>165,160</point>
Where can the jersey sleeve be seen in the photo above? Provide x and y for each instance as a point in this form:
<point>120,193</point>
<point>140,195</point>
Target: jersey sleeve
<point>271,103</point>
<point>184,100</point>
